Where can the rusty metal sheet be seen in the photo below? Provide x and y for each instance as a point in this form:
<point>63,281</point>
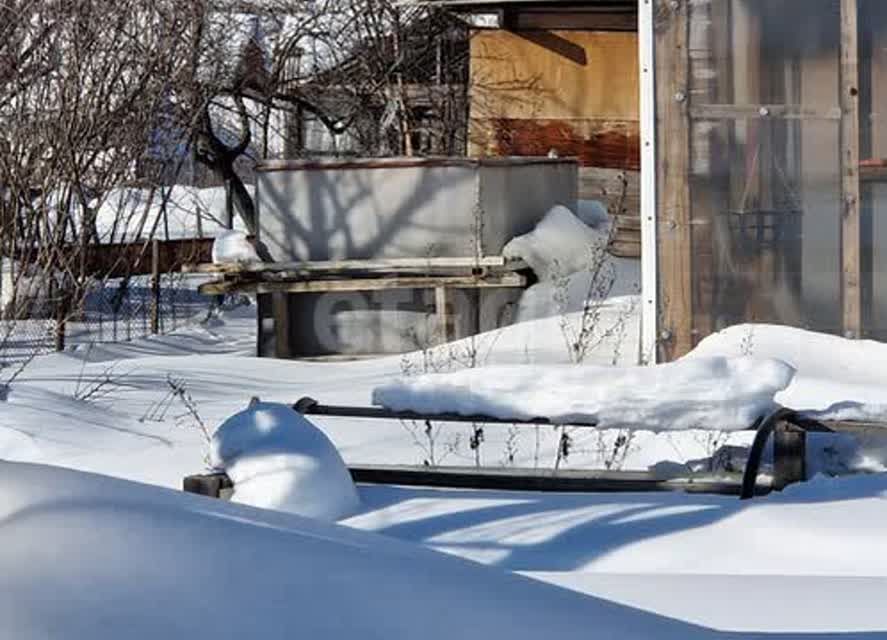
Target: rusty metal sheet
<point>606,144</point>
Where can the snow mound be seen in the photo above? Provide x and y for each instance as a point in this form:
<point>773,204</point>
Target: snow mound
<point>837,378</point>
<point>127,213</point>
<point>279,460</point>
<point>232,246</point>
<point>705,393</point>
<point>88,557</point>
<point>560,244</point>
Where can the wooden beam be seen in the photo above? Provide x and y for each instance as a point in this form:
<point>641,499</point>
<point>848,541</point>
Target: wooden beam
<point>789,456</point>
<point>762,111</point>
<point>506,280</point>
<point>673,125</point>
<point>443,307</point>
<point>377,264</point>
<point>155,286</point>
<point>283,329</point>
<point>850,188</point>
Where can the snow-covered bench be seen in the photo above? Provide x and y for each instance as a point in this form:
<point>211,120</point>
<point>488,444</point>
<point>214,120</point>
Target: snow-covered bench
<point>787,428</point>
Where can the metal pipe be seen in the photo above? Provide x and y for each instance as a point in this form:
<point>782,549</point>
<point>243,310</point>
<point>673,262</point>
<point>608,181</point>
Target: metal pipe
<point>310,406</point>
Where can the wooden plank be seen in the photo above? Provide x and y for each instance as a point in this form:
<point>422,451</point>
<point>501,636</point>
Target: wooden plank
<point>762,111</point>
<point>401,163</point>
<point>605,185</point>
<point>789,456</point>
<point>873,173</point>
<point>132,258</point>
<point>283,335</point>
<point>575,18</point>
<point>369,265</point>
<point>507,280</point>
<point>207,484</point>
<point>850,184</point>
<point>443,307</point>
<point>857,427</point>
<point>155,286</point>
<point>625,248</point>
<point>673,168</point>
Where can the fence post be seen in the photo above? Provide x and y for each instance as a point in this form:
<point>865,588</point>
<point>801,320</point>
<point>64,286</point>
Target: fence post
<point>155,286</point>
<point>61,313</point>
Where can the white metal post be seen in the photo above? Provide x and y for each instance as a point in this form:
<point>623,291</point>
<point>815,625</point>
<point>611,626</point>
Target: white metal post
<point>649,281</point>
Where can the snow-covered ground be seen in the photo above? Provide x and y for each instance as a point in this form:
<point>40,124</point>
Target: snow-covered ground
<point>641,550</point>
<point>806,561</point>
<point>87,557</point>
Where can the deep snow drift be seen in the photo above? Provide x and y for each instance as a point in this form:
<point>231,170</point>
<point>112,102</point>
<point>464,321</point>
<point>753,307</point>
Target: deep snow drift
<point>87,557</point>
<point>278,460</point>
<point>837,378</point>
<point>703,393</point>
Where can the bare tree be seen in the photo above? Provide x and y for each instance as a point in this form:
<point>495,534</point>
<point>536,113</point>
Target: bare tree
<point>389,79</point>
<point>85,97</point>
<point>102,103</point>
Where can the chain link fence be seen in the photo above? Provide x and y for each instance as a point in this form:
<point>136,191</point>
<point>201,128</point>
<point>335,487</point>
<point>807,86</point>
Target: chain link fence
<point>120,310</point>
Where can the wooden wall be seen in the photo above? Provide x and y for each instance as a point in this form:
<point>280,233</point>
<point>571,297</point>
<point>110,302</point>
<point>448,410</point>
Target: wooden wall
<point>575,92</point>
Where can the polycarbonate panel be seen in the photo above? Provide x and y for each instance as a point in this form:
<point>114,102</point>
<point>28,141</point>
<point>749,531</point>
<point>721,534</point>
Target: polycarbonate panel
<point>763,162</point>
<point>873,155</point>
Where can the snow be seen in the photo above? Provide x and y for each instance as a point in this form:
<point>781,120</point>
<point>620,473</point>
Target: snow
<point>87,557</point>
<point>576,274</point>
<point>129,214</point>
<point>774,604</point>
<point>806,561</point>
<point>233,247</point>
<point>560,244</point>
<point>710,560</point>
<point>278,460</point>
<point>703,393</point>
<point>837,378</point>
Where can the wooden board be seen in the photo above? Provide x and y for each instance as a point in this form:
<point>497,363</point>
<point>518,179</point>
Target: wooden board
<point>370,265</point>
<point>596,183</point>
<point>673,168</point>
<point>851,238</point>
<point>220,287</point>
<point>124,259</point>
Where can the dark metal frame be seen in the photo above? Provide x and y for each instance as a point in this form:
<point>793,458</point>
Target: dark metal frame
<point>788,428</point>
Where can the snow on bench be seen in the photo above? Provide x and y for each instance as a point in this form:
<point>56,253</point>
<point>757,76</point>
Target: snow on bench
<point>703,393</point>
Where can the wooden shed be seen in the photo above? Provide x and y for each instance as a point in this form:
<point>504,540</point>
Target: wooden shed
<point>555,77</point>
<point>764,143</point>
